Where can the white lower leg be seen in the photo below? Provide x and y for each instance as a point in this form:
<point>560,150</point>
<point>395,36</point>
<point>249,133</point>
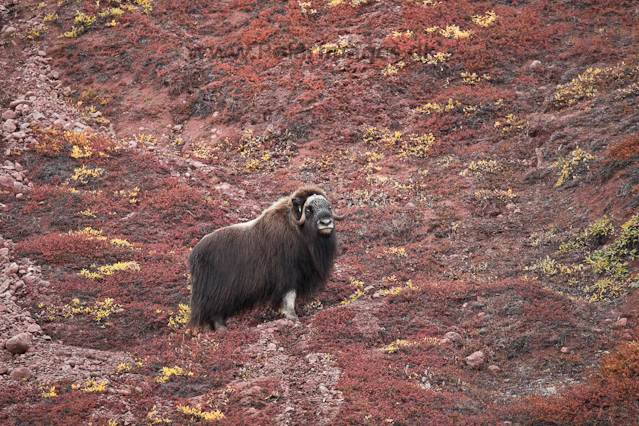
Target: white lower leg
<point>288,305</point>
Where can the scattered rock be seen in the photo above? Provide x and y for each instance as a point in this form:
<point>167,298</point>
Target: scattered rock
<point>9,115</point>
<point>623,322</point>
<point>6,181</point>
<point>197,164</point>
<point>17,102</point>
<point>10,30</point>
<point>223,187</point>
<point>9,126</point>
<point>34,328</point>
<point>18,135</point>
<point>535,65</point>
<point>30,279</point>
<point>37,116</point>
<point>282,322</point>
<point>252,391</point>
<point>454,337</point>
<point>20,373</point>
<point>565,350</point>
<point>494,369</point>
<point>475,360</point>
<point>19,343</point>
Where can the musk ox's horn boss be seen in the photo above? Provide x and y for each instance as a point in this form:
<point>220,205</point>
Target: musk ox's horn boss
<point>288,251</point>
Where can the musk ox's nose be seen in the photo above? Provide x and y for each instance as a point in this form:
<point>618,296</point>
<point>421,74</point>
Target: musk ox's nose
<point>325,225</point>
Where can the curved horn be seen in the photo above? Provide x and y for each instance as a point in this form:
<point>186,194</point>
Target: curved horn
<point>341,216</point>
<point>302,219</point>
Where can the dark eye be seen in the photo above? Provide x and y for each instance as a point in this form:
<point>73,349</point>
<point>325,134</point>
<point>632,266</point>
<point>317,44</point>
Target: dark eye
<point>309,210</point>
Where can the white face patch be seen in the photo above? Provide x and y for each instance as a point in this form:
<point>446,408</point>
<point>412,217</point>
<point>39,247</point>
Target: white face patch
<point>314,197</point>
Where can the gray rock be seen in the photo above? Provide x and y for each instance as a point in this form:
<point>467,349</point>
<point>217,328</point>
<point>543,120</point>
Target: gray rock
<point>20,187</point>
<point>30,279</point>
<point>623,322</point>
<point>6,181</point>
<point>475,360</point>
<point>34,328</point>
<point>9,126</point>
<point>18,135</point>
<point>9,115</point>
<point>454,337</point>
<point>20,373</point>
<point>36,115</point>
<point>19,344</point>
<point>17,102</point>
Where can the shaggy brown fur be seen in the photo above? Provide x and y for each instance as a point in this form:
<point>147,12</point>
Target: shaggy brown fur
<point>236,267</point>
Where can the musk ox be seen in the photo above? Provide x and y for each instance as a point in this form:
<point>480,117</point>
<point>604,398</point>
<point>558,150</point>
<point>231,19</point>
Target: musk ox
<point>288,251</point>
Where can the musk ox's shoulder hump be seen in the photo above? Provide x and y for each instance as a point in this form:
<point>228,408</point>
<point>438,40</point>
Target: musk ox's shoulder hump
<point>284,205</point>
<point>306,191</point>
<point>245,225</point>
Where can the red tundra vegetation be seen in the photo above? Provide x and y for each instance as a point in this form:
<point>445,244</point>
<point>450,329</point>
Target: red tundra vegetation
<point>488,152</point>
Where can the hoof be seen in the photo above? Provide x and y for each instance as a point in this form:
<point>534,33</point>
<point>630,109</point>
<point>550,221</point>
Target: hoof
<point>220,325</point>
<point>293,318</point>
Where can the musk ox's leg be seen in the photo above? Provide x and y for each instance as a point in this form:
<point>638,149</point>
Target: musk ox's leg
<point>219,324</point>
<point>288,306</point>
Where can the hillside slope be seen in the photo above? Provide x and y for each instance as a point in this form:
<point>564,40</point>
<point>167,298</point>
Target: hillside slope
<point>487,152</point>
